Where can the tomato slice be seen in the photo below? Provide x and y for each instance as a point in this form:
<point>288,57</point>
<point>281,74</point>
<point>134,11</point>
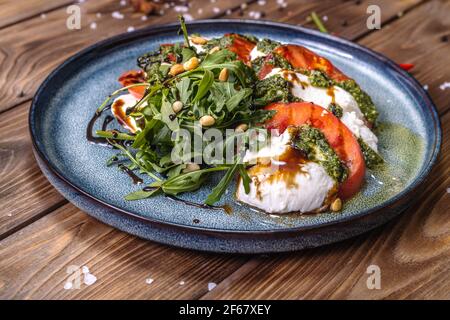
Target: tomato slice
<point>302,58</point>
<point>134,77</point>
<point>337,134</point>
<point>241,46</point>
<point>266,68</point>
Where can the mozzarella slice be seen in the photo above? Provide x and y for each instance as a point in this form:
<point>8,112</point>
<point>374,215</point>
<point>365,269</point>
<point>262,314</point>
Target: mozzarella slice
<point>283,182</point>
<point>352,117</point>
<point>255,53</point>
<point>119,110</point>
<point>198,47</point>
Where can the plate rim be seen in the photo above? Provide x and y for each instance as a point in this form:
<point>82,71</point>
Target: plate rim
<point>151,30</point>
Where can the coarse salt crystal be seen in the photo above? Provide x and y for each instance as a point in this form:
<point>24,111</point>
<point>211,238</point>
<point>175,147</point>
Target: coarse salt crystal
<point>98,15</point>
<point>200,11</point>
<point>144,18</point>
<point>149,281</point>
<point>228,12</point>
<point>425,87</point>
<point>68,285</point>
<point>211,286</point>
<point>325,18</point>
<point>445,85</point>
<point>117,15</point>
<point>43,16</point>
<point>448,190</point>
<point>216,10</point>
<point>261,2</point>
<point>181,283</point>
<point>130,29</point>
<point>181,9</point>
<point>93,25</point>
<point>85,269</point>
<point>188,17</point>
<point>89,279</point>
<point>123,3</point>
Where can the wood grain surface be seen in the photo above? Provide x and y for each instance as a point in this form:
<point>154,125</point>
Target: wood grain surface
<point>43,234</point>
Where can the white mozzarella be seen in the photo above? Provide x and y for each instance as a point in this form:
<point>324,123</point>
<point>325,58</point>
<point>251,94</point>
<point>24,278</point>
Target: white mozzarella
<point>276,191</point>
<point>306,192</point>
<point>255,53</point>
<point>119,108</point>
<point>352,117</point>
<point>198,47</point>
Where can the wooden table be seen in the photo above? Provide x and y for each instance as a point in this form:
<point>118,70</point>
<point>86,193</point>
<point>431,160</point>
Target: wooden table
<point>41,234</point>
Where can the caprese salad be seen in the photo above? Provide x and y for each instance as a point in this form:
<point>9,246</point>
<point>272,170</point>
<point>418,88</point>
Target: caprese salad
<point>316,123</point>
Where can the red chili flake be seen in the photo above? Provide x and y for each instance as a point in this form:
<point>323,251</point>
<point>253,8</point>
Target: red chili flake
<point>406,66</point>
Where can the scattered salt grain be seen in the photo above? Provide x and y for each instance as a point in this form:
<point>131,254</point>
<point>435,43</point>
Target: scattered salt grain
<point>130,29</point>
<point>200,11</point>
<point>68,285</point>
<point>98,15</point>
<point>85,269</point>
<point>117,15</point>
<point>213,1</point>
<point>89,279</point>
<point>93,25</point>
<point>9,215</point>
<point>261,2</point>
<point>123,3</point>
<point>181,9</point>
<point>228,12</point>
<point>425,87</point>
<point>445,85</point>
<point>43,16</point>
<point>211,286</point>
<point>181,283</point>
<point>325,18</point>
<point>144,18</point>
<point>149,281</point>
<point>216,10</point>
<point>188,17</point>
<point>448,190</point>
<point>243,6</point>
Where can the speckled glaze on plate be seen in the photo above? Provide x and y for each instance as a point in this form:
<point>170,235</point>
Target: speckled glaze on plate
<point>410,138</point>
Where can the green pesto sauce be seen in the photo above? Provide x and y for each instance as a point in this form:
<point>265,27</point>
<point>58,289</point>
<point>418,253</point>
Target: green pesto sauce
<point>336,109</point>
<point>273,89</point>
<point>371,158</point>
<point>319,79</point>
<point>362,98</point>
<point>267,46</point>
<point>314,144</point>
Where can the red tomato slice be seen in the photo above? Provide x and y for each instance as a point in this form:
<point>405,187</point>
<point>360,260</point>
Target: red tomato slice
<point>337,134</point>
<point>266,68</point>
<point>241,46</point>
<point>302,58</point>
<point>134,77</point>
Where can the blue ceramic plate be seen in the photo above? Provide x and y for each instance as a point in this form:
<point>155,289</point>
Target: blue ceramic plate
<point>409,135</point>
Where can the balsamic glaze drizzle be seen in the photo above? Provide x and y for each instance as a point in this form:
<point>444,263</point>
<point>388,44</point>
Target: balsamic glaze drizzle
<point>131,174</point>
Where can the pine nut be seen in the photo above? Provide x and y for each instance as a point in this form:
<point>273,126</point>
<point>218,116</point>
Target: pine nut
<point>223,75</point>
<point>207,121</point>
<point>214,50</point>
<point>336,205</point>
<point>191,64</point>
<point>176,69</point>
<point>199,40</point>
<point>190,167</point>
<point>177,106</point>
<point>241,128</point>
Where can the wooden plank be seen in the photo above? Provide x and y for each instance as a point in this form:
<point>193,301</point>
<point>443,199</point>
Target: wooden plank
<point>31,49</point>
<point>412,252</point>
<point>427,46</point>
<point>12,11</point>
<point>121,262</point>
<point>346,19</point>
<point>25,194</point>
